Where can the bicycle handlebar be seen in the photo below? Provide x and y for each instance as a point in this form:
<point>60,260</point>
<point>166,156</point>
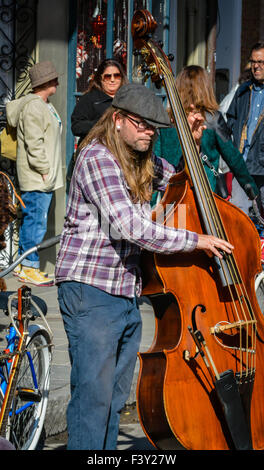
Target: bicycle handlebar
<point>47,243</point>
<point>41,246</point>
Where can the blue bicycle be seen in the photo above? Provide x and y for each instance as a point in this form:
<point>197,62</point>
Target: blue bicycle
<point>24,363</point>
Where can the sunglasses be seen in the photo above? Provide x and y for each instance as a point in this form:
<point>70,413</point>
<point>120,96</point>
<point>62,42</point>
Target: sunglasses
<point>107,76</point>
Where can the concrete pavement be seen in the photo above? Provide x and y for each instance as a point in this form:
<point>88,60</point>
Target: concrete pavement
<point>131,434</point>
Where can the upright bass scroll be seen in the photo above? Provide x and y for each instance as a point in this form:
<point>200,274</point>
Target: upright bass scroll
<point>209,328</point>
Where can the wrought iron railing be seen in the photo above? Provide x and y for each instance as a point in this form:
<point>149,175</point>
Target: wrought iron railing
<point>17,55</point>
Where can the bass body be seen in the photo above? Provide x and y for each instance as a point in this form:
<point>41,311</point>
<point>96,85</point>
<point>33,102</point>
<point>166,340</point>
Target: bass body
<point>201,383</point>
<point>177,401</point>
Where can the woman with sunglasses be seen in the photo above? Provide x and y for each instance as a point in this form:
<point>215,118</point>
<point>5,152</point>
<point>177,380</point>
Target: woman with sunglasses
<point>108,78</point>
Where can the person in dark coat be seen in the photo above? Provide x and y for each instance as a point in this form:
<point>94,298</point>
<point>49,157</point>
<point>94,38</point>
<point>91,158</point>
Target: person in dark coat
<point>245,119</point>
<point>108,78</point>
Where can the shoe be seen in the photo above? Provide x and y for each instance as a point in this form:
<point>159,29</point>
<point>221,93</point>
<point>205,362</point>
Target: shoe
<point>16,271</point>
<point>19,268</point>
<point>34,276</point>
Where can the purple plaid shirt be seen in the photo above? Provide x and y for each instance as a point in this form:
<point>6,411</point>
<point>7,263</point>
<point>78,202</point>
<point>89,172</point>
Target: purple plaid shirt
<point>104,230</point>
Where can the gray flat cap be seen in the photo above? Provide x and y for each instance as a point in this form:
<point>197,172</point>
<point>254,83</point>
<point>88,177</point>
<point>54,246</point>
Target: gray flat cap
<point>137,99</point>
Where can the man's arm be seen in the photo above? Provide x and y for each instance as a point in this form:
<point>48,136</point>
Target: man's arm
<point>103,185</point>
<point>34,130</point>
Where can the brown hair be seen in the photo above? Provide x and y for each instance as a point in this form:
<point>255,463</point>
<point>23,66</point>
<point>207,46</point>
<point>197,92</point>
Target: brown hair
<point>195,88</point>
<point>137,166</point>
<point>96,81</point>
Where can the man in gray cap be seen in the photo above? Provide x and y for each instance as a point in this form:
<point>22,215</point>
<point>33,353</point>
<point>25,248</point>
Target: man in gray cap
<point>108,222</point>
<point>39,163</point>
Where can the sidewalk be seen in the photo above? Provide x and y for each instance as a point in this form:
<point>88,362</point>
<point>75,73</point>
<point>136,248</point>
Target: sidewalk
<point>60,371</point>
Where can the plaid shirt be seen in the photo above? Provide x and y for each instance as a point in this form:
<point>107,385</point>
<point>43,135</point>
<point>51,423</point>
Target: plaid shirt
<point>104,230</point>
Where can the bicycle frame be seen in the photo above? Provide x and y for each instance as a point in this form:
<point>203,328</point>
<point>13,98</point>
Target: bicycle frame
<point>19,365</point>
<point>5,369</point>
<point>16,345</point>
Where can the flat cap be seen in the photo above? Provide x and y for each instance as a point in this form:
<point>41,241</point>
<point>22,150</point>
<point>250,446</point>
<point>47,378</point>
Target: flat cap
<point>42,73</point>
<point>137,99</point>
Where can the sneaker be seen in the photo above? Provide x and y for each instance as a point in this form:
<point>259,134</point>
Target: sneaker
<point>34,276</point>
<point>18,269</point>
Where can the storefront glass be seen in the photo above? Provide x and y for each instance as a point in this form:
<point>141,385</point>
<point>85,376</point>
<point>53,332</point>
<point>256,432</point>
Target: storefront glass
<point>92,34</point>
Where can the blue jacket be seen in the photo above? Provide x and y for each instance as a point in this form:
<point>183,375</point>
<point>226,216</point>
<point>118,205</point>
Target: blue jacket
<point>237,116</point>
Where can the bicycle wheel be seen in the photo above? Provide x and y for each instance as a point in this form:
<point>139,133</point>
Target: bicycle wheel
<point>30,403</point>
<point>259,288</point>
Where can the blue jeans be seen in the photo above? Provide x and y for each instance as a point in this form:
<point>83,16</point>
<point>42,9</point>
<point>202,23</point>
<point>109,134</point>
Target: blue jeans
<point>104,333</point>
<point>34,223</point>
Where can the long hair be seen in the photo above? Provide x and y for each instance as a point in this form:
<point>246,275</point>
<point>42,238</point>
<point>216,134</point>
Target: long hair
<point>137,167</point>
<point>96,81</point>
<point>195,88</point>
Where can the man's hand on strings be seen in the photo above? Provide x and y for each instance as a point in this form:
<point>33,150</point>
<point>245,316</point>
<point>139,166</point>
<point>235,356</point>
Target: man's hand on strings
<point>213,245</point>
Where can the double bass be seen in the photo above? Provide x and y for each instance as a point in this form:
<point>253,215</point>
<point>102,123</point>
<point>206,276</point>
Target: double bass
<point>201,382</point>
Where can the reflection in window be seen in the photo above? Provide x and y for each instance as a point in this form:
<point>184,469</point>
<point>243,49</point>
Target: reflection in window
<point>91,40</point>
<point>91,36</point>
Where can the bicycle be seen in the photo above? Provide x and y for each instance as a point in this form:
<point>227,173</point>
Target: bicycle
<point>25,363</point>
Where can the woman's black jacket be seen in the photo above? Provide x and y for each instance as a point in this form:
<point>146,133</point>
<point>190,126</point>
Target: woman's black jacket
<point>90,107</point>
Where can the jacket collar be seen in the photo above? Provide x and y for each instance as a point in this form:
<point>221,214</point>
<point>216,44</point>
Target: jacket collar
<point>246,86</point>
<point>100,96</point>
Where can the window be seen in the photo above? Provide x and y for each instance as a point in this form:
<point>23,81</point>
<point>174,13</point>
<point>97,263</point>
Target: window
<point>97,40</point>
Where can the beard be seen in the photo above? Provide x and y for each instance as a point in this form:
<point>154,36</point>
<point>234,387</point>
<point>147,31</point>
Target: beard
<point>139,156</point>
